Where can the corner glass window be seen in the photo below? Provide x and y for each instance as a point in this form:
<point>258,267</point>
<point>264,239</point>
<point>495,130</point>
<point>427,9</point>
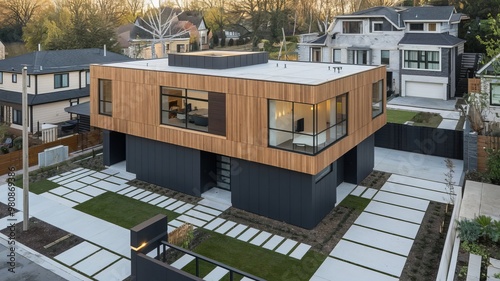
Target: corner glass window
<point>307,128</point>
<point>377,98</point>
<point>105,97</point>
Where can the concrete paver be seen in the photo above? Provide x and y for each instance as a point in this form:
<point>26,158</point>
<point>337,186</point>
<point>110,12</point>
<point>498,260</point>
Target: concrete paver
<point>273,242</point>
<point>77,253</point>
<point>116,180</point>
<point>358,190</point>
<point>216,274</point>
<point>369,257</point>
<point>88,180</point>
<point>167,202</point>
<point>396,212</point>
<point>89,265</point>
<point>125,190</point>
<point>300,251</point>
<point>158,199</point>
<point>225,227</point>
<point>286,247</point>
<point>182,261</point>
<point>91,191</point>
<point>150,197</point>
<point>115,272</point>
<point>74,185</point>
<point>334,269</point>
<point>401,200</point>
<point>175,205</point>
<point>215,223</point>
<point>237,230</point>
<point>182,209</point>
<point>109,186</point>
<point>388,225</point>
<point>248,234</point>
<point>378,239</point>
<point>60,190</point>
<point>369,193</point>
<point>59,199</point>
<point>77,196</point>
<point>416,192</point>
<point>261,238</point>
<point>207,210</point>
<point>191,220</point>
<point>198,215</point>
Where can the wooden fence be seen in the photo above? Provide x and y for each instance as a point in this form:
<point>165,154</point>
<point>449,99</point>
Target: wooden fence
<point>74,143</point>
<point>484,143</point>
<point>474,85</point>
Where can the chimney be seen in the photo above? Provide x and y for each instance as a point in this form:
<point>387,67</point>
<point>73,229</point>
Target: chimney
<point>104,50</point>
<point>39,47</point>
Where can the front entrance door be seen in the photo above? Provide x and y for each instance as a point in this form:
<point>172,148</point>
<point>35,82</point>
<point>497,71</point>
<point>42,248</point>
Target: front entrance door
<point>224,172</point>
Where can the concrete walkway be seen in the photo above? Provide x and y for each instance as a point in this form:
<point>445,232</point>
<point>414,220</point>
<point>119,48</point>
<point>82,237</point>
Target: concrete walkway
<point>376,246</point>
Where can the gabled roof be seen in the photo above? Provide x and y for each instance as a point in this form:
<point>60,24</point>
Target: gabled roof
<point>43,62</point>
<point>428,13</point>
<point>390,13</point>
<point>432,39</point>
<point>15,97</point>
<point>489,67</point>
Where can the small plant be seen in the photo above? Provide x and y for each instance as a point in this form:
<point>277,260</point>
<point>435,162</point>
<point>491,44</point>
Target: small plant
<point>485,223</point>
<point>4,149</point>
<point>468,230</point>
<point>476,249</point>
<point>493,164</point>
<point>450,184</point>
<point>496,275</point>
<point>495,231</point>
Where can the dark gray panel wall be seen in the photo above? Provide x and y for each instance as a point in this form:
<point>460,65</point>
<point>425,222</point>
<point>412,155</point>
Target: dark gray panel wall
<point>281,194</point>
<point>114,145</point>
<point>163,164</point>
<point>359,161</point>
<point>151,269</point>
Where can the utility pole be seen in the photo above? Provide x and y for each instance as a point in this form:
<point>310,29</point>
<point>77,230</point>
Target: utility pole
<point>25,152</point>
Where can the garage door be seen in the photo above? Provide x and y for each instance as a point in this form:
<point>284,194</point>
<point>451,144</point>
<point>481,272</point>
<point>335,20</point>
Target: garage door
<point>425,90</point>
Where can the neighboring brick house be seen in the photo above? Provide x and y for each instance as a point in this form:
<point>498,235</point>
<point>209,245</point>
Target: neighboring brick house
<point>197,37</point>
<point>419,46</point>
<point>56,80</point>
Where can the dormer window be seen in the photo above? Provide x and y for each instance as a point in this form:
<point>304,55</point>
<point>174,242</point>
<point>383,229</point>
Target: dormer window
<point>416,27</point>
<point>352,27</point>
<point>431,27</point>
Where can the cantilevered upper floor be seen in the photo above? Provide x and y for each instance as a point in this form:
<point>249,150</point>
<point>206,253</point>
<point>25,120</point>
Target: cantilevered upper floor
<point>294,115</point>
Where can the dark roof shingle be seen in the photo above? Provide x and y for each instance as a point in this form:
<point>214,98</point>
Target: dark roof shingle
<point>433,39</point>
<point>15,97</point>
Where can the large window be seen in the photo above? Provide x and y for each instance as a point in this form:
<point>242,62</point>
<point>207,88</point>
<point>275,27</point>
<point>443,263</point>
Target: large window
<point>61,80</point>
<point>357,56</point>
<point>384,57</point>
<point>307,128</point>
<point>17,117</point>
<point>196,110</point>
<point>428,60</point>
<point>105,97</point>
<point>495,94</point>
<point>377,98</point>
<point>352,27</point>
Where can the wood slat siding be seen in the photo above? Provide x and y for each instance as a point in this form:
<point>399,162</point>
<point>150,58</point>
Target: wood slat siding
<point>474,85</point>
<point>136,111</point>
<point>482,157</point>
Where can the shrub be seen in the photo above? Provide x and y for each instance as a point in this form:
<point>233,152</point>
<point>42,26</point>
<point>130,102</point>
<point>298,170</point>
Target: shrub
<point>468,230</point>
<point>18,143</point>
<point>485,223</point>
<point>292,39</point>
<point>4,149</point>
<point>476,249</point>
<point>215,38</point>
<point>493,165</point>
<point>495,231</point>
<point>231,42</point>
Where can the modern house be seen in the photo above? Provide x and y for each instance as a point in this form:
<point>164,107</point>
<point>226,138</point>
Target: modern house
<point>279,136</point>
<point>185,32</point>
<point>55,80</point>
<point>419,46</point>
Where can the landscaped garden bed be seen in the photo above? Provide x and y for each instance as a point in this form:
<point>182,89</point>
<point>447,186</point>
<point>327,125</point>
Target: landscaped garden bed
<point>426,119</point>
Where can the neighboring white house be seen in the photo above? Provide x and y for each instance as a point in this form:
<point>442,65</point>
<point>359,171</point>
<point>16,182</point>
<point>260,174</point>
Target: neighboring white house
<point>489,76</point>
<point>419,46</point>
<point>175,39</point>
<point>55,80</point>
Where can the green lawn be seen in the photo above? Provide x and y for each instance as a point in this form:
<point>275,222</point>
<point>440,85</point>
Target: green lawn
<point>355,202</point>
<point>399,116</point>
<point>39,186</point>
<point>122,210</point>
<point>425,119</point>
<point>255,260</point>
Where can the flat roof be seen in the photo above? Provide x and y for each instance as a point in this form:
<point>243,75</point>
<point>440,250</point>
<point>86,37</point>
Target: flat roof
<point>291,72</point>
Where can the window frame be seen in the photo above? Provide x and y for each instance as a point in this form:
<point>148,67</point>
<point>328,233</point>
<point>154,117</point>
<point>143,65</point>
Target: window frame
<point>435,27</point>
<point>346,26</point>
<point>426,61</point>
<point>340,123</point>
<point>102,97</point>
<point>59,77</point>
<point>378,86</point>
<point>17,114</point>
<point>388,57</point>
<point>356,55</point>
<point>381,23</point>
<point>413,24</point>
<point>334,58</point>
<point>496,86</point>
<point>314,51</point>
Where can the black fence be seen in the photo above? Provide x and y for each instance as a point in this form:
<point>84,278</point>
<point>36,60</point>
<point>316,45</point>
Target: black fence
<point>424,140</point>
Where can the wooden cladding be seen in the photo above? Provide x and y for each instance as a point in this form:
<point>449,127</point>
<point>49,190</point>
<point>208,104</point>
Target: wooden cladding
<point>217,113</point>
<point>474,85</point>
<point>136,111</point>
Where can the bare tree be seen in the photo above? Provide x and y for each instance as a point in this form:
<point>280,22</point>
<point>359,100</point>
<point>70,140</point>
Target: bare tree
<point>162,25</point>
<point>19,12</point>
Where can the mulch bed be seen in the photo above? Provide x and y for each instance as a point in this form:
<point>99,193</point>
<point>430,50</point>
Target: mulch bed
<point>40,234</point>
<point>4,210</point>
<point>375,179</point>
<point>425,255</point>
